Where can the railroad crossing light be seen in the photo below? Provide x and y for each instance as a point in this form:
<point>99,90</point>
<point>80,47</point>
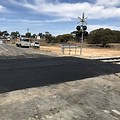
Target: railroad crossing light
<point>79,33</point>
<point>85,33</point>
<point>78,28</point>
<point>84,28</point>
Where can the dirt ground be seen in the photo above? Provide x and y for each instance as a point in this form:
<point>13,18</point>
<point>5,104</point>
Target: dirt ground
<point>86,52</point>
<point>95,98</point>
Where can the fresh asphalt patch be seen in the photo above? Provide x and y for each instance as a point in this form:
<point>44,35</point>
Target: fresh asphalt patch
<point>21,73</point>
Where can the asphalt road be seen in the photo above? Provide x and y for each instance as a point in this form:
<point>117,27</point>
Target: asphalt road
<point>21,73</point>
<point>12,51</point>
<point>93,94</point>
<point>26,68</point>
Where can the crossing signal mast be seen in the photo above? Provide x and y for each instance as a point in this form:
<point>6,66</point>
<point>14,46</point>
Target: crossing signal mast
<point>81,30</point>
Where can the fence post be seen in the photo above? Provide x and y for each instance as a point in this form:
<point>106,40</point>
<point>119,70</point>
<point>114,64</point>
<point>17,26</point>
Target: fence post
<point>69,49</point>
<point>75,49</point>
<point>62,48</point>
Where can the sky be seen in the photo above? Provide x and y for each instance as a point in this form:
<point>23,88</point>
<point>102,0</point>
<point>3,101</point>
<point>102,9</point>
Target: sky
<point>58,16</point>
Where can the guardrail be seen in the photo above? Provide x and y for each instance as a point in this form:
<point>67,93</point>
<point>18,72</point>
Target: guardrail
<point>69,47</point>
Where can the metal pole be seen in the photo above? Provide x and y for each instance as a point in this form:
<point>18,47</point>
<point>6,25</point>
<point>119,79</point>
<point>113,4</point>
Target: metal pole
<point>62,48</point>
<point>82,20</point>
<point>81,44</point>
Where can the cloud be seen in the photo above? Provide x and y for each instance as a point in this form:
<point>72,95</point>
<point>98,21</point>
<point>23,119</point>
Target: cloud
<point>40,22</point>
<point>2,8</point>
<point>93,27</point>
<point>108,3</point>
<point>2,19</point>
<point>73,10</point>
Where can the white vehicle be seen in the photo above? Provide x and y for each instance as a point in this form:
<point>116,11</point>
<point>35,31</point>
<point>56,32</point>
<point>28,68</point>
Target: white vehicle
<point>8,38</point>
<point>23,42</point>
<point>35,44</point>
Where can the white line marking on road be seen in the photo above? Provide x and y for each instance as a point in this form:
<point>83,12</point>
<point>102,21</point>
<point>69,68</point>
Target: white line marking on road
<point>4,48</point>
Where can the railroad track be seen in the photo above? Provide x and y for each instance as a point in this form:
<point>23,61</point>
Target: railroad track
<point>114,60</point>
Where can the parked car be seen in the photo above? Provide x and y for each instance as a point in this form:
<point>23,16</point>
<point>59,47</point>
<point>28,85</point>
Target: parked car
<point>8,38</point>
<point>35,44</point>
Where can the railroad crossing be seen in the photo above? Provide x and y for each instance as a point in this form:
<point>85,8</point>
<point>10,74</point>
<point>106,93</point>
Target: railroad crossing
<point>114,60</point>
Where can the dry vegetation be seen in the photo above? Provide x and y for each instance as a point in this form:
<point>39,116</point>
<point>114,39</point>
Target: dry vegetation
<point>86,51</point>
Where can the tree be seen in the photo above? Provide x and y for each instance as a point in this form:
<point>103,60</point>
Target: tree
<point>34,36</point>
<point>1,33</point>
<point>100,36</point>
<point>15,34</point>
<point>28,34</point>
<point>47,33</point>
<point>5,33</point>
<point>116,36</point>
<point>58,38</point>
<point>64,38</point>
<point>48,38</point>
<point>41,35</point>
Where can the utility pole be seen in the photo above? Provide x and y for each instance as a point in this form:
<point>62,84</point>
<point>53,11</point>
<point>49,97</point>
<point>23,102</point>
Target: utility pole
<point>27,30</point>
<point>83,28</point>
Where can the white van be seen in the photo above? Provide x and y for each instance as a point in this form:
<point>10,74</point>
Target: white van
<point>23,42</point>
